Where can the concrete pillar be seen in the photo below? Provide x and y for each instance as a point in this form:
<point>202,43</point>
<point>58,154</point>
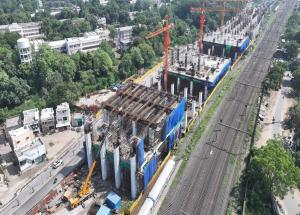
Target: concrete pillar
<point>186,60</point>
<point>223,52</point>
<point>151,136</point>
<point>191,88</point>
<point>185,120</point>
<point>185,92</point>
<point>151,81</point>
<point>205,92</point>
<point>103,162</point>
<point>106,116</point>
<point>133,177</point>
<point>178,85</point>
<point>159,85</point>
<point>133,128</point>
<point>199,63</point>
<point>88,143</point>
<point>200,99</point>
<point>193,108</point>
<point>213,50</point>
<point>235,55</point>
<point>172,89</point>
<point>208,51</point>
<point>117,167</point>
<point>178,55</point>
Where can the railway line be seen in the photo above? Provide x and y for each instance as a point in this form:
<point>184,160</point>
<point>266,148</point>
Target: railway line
<point>207,180</point>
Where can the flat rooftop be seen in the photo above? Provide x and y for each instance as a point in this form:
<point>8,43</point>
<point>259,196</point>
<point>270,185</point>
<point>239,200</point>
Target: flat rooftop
<point>218,37</point>
<point>141,104</point>
<point>47,113</point>
<point>12,122</point>
<point>31,116</point>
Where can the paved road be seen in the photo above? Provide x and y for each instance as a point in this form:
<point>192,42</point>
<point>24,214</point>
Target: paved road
<point>38,188</point>
<point>207,179</point>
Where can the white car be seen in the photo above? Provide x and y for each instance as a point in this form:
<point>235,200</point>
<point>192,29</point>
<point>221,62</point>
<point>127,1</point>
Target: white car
<point>56,164</point>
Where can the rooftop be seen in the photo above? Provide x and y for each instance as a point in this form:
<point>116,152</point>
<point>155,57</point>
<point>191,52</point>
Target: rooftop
<point>47,113</point>
<point>12,122</point>
<point>63,106</point>
<point>31,116</point>
<point>19,131</point>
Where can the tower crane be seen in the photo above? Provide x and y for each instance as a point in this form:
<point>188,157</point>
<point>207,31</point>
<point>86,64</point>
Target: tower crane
<point>202,10</point>
<point>164,30</point>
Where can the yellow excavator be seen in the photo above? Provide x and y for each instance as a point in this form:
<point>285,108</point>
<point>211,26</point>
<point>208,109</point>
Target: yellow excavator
<point>85,192</point>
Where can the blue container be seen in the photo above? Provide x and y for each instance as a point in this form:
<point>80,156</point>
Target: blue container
<point>113,201</point>
<point>103,210</point>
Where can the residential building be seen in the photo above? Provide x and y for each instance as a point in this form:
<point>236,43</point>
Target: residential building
<point>63,115</point>
<point>12,124</point>
<point>77,119</point>
<point>29,30</point>
<point>123,37</point>
<point>101,21</point>
<point>47,120</point>
<point>20,137</point>
<point>32,119</point>
<point>33,153</point>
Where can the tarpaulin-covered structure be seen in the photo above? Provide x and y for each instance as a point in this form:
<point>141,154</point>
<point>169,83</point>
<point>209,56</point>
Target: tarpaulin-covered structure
<point>174,119</point>
<point>220,75</point>
<point>244,46</point>
<point>149,170</point>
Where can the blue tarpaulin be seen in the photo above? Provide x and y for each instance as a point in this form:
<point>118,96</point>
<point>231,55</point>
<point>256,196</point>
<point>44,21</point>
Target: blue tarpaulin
<point>243,47</point>
<point>113,201</point>
<point>171,141</point>
<point>140,152</point>
<point>150,170</point>
<point>173,119</point>
<point>219,77</point>
<point>103,210</point>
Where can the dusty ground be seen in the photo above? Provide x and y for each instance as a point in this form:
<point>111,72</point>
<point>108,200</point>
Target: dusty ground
<point>56,144</point>
<point>279,103</point>
<point>96,99</point>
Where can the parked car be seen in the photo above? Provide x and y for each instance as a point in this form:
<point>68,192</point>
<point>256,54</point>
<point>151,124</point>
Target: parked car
<point>57,163</point>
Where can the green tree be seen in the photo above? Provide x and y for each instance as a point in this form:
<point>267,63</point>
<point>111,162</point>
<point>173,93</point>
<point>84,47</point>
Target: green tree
<point>272,171</point>
<point>102,63</point>
<point>136,58</point>
<point>64,92</point>
<point>147,53</point>
<point>291,48</point>
<point>125,66</point>
<point>292,122</point>
<point>296,80</point>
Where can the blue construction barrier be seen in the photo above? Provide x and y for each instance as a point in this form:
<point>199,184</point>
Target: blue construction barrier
<point>243,47</point>
<point>149,170</point>
<point>173,119</point>
<point>171,141</point>
<point>220,75</point>
<point>140,152</point>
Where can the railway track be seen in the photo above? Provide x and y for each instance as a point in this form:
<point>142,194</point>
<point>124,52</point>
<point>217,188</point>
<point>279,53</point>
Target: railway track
<point>207,180</point>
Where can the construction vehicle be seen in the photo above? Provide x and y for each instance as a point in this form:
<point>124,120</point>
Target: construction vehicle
<point>85,192</point>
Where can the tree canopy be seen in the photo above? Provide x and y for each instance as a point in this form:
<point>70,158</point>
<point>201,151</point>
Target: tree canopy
<point>272,171</point>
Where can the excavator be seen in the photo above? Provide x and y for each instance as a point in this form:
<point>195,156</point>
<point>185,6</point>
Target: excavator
<point>85,193</point>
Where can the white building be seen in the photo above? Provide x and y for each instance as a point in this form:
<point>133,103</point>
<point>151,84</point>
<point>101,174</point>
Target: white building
<point>63,115</point>
<point>29,30</point>
<point>47,120</point>
<point>20,138</point>
<point>103,2</point>
<point>89,42</point>
<point>24,50</point>
<point>123,36</point>
<point>32,119</point>
<point>101,21</point>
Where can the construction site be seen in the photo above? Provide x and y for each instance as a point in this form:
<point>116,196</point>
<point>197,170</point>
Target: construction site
<point>130,140</point>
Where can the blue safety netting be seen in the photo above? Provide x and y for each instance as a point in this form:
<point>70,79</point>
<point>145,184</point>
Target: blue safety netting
<point>219,77</point>
<point>171,141</point>
<point>149,170</point>
<point>243,47</point>
<point>173,119</point>
<point>140,152</point>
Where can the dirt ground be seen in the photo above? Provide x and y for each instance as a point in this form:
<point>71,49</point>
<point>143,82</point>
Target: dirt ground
<point>273,104</point>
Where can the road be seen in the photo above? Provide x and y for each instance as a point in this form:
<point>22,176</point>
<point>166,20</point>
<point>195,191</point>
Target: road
<point>38,188</point>
<point>206,181</point>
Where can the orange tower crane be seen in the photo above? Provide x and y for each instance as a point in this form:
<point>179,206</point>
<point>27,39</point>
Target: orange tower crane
<point>222,11</point>
<point>164,30</point>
